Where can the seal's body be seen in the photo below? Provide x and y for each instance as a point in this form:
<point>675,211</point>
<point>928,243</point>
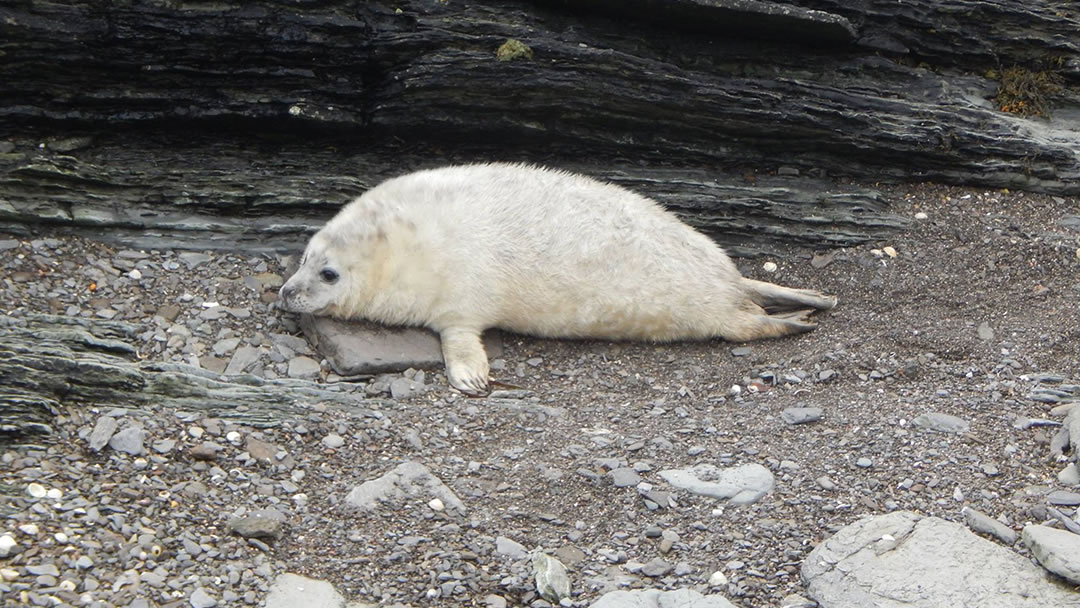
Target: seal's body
<point>465,248</point>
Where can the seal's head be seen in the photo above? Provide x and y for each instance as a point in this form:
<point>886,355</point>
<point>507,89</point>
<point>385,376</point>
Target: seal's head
<point>322,285</point>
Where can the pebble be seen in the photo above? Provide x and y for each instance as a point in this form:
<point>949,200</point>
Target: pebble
<point>8,546</point>
<point>624,477</point>
<point>1057,550</point>
<point>718,579</point>
<point>36,490</point>
<point>304,367</point>
<point>552,581</point>
<point>864,463</point>
<point>333,441</point>
<point>1070,475</point>
<point>129,441</point>
<point>740,351</point>
<point>510,548</point>
<point>1063,498</point>
<point>201,599</point>
<point>801,415</point>
<point>985,524</point>
<point>262,524</point>
<point>102,433</point>
<point>941,423</point>
<point>656,567</point>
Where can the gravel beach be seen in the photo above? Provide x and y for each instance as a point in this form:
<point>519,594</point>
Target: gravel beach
<point>938,383</point>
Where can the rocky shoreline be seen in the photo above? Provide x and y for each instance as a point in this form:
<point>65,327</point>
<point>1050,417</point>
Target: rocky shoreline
<point>932,402</point>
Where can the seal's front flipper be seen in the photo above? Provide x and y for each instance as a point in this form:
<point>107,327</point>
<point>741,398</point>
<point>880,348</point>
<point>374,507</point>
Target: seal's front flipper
<point>466,361</point>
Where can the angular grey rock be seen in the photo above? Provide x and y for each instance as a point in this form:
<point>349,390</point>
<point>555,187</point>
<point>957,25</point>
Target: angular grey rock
<point>510,548</point>
<point>403,388</point>
<point>801,415</point>
<point>102,433</point>
<point>1063,498</point>
<point>1070,475</point>
<point>743,484</point>
<point>129,441</point>
<point>942,423</point>
<point>980,522</point>
<point>624,477</point>
<point>360,347</point>
<point>303,367</point>
<point>654,598</point>
<point>333,441</point>
<point>407,480</point>
<point>293,591</point>
<point>262,524</point>
<point>985,332</point>
<point>656,567</point>
<point>1057,550</point>
<point>201,599</point>
<point>552,581</point>
<point>243,358</point>
<point>903,560</point>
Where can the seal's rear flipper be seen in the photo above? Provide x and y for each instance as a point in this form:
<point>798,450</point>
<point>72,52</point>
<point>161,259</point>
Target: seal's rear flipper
<point>778,298</point>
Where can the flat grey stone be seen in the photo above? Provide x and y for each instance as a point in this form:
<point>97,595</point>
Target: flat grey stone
<point>942,423</point>
<point>1070,475</point>
<point>980,522</point>
<point>1057,550</point>
<point>243,358</point>
<point>293,591</point>
<point>261,524</point>
<point>333,441</point>
<point>407,480</point>
<point>656,567</point>
<point>510,548</point>
<point>201,599</point>
<point>903,560</point>
<point>743,484</point>
<point>359,347</point>
<point>801,415</point>
<point>1063,498</point>
<point>102,433</point>
<point>304,367</point>
<point>552,581</point>
<point>654,598</point>
<point>129,441</point>
<point>985,331</point>
<point>624,477</point>
<point>403,388</point>
<point>193,259</point>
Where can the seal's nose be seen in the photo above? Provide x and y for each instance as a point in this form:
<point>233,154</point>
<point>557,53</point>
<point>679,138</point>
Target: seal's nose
<point>287,290</point>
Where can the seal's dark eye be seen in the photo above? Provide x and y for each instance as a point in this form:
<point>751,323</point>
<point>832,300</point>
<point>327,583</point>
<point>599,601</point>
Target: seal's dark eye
<point>328,275</point>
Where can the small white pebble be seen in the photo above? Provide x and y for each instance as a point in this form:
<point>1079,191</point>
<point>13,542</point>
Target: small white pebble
<point>769,266</point>
<point>196,432</point>
<point>140,464</point>
<point>889,251</point>
<point>877,253</point>
<point>36,490</point>
<point>921,216</point>
<point>718,579</point>
<point>29,529</point>
<point>233,437</point>
<point>135,275</point>
<point>67,585</point>
<point>54,493</point>
<point>61,538</point>
<point>8,574</point>
<point>436,504</point>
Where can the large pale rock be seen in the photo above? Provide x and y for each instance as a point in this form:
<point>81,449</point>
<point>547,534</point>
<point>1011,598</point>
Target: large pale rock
<point>1057,550</point>
<point>409,480</point>
<point>740,485</point>
<point>358,347</point>
<point>654,598</point>
<point>903,560</point>
<point>295,591</point>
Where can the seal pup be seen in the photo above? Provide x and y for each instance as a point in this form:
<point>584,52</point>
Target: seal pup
<point>461,249</point>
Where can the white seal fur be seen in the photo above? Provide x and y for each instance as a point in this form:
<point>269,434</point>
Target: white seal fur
<point>462,249</point>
